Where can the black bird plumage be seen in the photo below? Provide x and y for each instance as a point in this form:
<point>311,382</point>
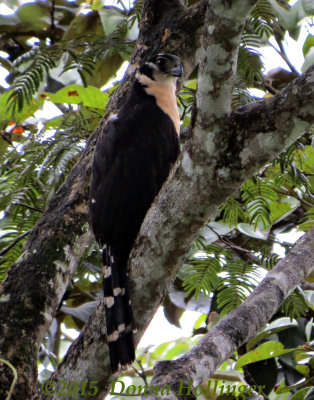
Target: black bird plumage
<point>134,154</point>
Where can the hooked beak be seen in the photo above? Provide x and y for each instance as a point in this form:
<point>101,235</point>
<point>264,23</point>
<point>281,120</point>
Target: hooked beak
<point>177,71</point>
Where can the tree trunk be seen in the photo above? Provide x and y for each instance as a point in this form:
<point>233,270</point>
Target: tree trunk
<point>224,151</point>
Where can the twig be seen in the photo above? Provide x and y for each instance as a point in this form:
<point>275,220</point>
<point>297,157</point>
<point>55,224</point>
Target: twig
<point>141,374</point>
<point>238,249</point>
<point>286,192</point>
<point>307,286</point>
<point>4,137</point>
<point>27,206</point>
<point>270,88</point>
<point>52,23</point>
<point>82,293</point>
<point>283,55</point>
<point>67,337</point>
<point>4,251</point>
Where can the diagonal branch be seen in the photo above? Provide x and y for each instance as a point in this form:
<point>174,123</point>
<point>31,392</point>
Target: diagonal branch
<point>11,245</point>
<point>241,324</point>
<point>213,165</point>
<point>181,209</point>
<point>189,199</point>
<point>34,286</point>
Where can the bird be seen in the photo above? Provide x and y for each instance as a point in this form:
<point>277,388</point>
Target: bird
<point>134,154</point>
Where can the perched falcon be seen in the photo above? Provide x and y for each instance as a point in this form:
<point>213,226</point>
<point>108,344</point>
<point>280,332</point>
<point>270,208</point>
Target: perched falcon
<point>133,157</point>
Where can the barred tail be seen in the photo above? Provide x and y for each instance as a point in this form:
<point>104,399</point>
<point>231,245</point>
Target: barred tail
<point>119,316</point>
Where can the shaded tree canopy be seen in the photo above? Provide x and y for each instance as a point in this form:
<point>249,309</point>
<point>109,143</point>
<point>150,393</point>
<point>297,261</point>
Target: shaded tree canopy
<point>243,180</point>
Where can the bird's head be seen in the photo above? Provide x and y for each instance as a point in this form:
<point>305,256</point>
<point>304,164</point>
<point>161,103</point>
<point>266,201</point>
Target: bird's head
<point>158,78</point>
<point>162,67</point>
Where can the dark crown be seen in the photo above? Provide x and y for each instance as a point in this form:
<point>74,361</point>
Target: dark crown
<point>167,64</point>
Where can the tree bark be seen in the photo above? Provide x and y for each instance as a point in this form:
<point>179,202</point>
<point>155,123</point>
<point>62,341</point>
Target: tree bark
<point>173,221</point>
<point>34,286</point>
<point>184,204</point>
<point>222,154</point>
<point>238,326</point>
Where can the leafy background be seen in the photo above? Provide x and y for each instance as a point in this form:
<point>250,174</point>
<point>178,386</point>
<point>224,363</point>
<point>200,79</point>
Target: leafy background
<point>61,57</point>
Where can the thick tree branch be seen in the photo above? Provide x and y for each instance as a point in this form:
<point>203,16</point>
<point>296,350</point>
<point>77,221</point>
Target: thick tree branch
<point>203,178</point>
<point>189,199</point>
<point>241,324</point>
<point>33,289</point>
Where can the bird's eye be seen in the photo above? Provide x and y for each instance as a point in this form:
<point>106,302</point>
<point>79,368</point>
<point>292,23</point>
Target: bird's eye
<point>159,61</point>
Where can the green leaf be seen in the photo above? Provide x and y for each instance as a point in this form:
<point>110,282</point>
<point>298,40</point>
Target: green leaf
<point>308,220</point>
<point>232,212</point>
<point>238,280</point>
<point>295,305</point>
<point>257,233</point>
<point>19,116</point>
<point>308,59</point>
<point>37,15</point>
<point>54,122</point>
<point>180,348</point>
<point>110,18</point>
<point>258,193</point>
<point>309,42</point>
<point>105,70</point>
<point>202,271</point>
<point>97,4</point>
<point>276,326</point>
<point>302,394</point>
<point>82,312</point>
<point>249,65</point>
<point>263,352</point>
<point>200,321</point>
<point>281,210</point>
<point>75,94</point>
<point>9,20</point>
<point>161,349</point>
<point>305,159</point>
<point>82,25</point>
<point>211,230</point>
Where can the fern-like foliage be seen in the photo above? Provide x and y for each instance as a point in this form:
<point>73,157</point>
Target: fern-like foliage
<point>137,9</point>
<point>308,220</point>
<point>287,157</point>
<point>249,65</point>
<point>29,177</point>
<point>239,280</point>
<point>263,19</point>
<point>257,194</point>
<point>56,155</point>
<point>269,260</point>
<point>241,97</point>
<point>22,204</point>
<point>295,306</point>
<point>257,31</point>
<point>82,63</point>
<point>232,212</point>
<point>215,268</point>
<point>201,275</point>
<point>292,161</point>
<point>298,177</point>
<point>27,83</point>
<point>81,55</point>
